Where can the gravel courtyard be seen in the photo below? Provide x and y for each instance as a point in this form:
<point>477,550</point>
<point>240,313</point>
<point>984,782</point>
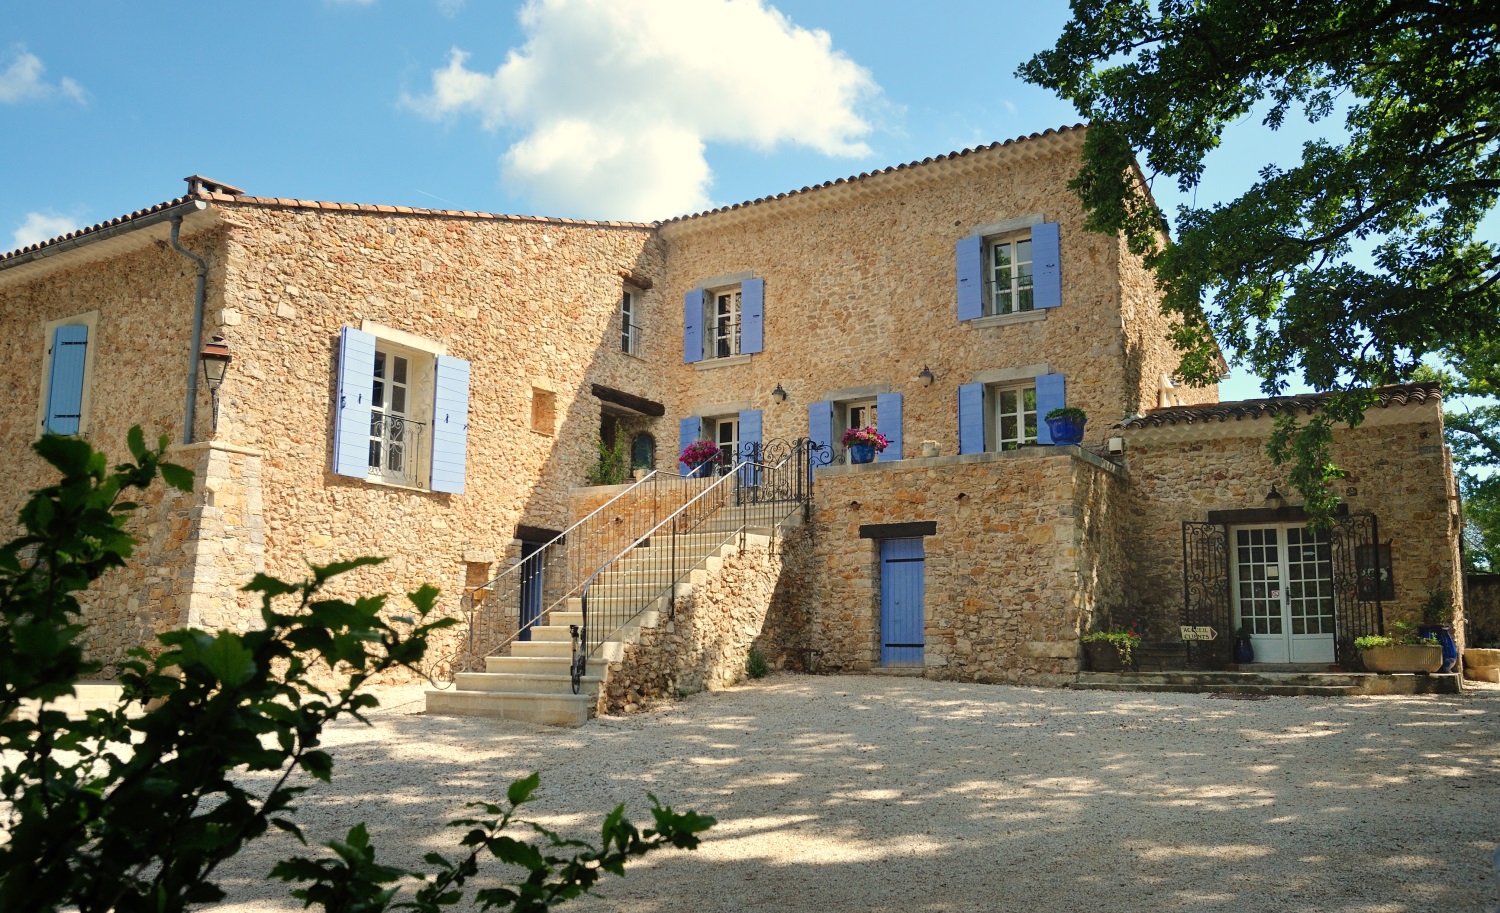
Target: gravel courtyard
<point>869,793</point>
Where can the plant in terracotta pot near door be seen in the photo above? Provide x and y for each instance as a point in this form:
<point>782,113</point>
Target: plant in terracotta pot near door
<point>699,457</point>
<point>1403,651</point>
<point>864,443</point>
<point>1110,651</point>
<point>1066,425</point>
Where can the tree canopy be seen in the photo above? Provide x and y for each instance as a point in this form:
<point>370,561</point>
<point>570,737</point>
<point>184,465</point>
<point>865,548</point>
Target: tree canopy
<point>1347,268</point>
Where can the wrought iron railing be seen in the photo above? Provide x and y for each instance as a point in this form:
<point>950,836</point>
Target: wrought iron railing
<point>524,595</point>
<point>395,448</point>
<point>766,486</point>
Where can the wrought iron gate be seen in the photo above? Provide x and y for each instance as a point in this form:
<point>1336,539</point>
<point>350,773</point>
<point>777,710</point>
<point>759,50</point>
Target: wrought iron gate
<point>1206,600</point>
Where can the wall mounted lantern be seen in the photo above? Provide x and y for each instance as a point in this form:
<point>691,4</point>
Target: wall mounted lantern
<point>926,376</point>
<point>215,357</point>
<point>1274,500</point>
<point>779,395</point>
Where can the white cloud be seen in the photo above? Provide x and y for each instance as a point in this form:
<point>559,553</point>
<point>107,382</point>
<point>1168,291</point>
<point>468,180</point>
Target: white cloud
<point>616,99</point>
<point>22,81</point>
<point>40,226</point>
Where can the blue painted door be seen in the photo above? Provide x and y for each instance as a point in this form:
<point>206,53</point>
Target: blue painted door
<point>901,589</point>
<point>531,586</point>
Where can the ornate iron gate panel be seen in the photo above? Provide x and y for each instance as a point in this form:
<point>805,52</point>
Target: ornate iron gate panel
<point>1205,590</point>
<point>1358,609</point>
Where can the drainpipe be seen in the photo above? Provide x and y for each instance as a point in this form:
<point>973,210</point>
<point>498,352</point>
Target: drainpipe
<point>190,413</point>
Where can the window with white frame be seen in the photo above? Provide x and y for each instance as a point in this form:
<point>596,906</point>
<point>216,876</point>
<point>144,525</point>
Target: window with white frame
<point>1008,275</point>
<point>396,428</point>
<point>630,331</point>
<point>856,414</point>
<point>725,432</point>
<point>1013,417</point>
<point>723,321</point>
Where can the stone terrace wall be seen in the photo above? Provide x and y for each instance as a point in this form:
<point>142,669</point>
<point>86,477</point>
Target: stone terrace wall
<point>1026,549</point>
<point>1398,469</point>
<point>706,643</point>
<point>860,290</point>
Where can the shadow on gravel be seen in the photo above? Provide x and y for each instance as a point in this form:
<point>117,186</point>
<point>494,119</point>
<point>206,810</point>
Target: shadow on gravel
<point>863,793</point>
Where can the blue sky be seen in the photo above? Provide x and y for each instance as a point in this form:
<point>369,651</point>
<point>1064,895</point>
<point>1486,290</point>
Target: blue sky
<point>588,108</point>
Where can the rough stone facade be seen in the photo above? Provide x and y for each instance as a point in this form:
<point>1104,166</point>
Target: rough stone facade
<point>1031,547</point>
<point>1482,609</point>
<point>1397,468</point>
<point>1024,554</point>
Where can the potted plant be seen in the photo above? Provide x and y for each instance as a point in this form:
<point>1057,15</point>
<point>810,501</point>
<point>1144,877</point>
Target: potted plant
<point>1437,622</point>
<point>930,449</point>
<point>1244,650</point>
<point>699,458</point>
<point>864,443</point>
<point>1066,425</point>
<point>1110,651</point>
<point>1403,651</point>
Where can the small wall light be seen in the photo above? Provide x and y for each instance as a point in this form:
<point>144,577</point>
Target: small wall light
<point>1274,500</point>
<point>215,357</point>
<point>779,395</point>
<point>925,376</point>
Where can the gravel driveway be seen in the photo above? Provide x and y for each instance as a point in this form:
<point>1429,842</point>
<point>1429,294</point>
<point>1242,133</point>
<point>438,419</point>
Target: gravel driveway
<point>870,793</point>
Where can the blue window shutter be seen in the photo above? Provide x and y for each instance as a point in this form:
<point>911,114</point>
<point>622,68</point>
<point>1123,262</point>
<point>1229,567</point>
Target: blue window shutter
<point>450,424</point>
<point>65,382</point>
<point>970,278</point>
<point>750,435</point>
<point>819,427</point>
<point>692,326</point>
<point>351,420</point>
<point>1050,394</point>
<point>971,418</point>
<point>1046,266</point>
<point>752,316</point>
<point>888,423</point>
<point>688,430</point>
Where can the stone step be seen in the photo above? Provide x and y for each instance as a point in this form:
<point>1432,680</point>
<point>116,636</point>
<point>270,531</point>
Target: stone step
<point>1272,683</point>
<point>542,665</point>
<point>1247,688</point>
<point>526,682</point>
<point>568,710</point>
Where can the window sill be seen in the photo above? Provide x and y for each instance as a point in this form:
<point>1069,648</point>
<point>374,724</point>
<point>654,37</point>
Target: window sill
<point>708,364</point>
<point>1005,320</point>
<point>383,482</point>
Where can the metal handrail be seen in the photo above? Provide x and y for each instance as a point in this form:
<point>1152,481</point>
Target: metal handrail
<point>753,482</point>
<point>440,672</point>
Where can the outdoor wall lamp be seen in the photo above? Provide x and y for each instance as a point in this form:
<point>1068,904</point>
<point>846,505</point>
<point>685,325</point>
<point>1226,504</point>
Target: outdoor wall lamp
<point>926,376</point>
<point>779,395</point>
<point>1274,500</point>
<point>215,357</point>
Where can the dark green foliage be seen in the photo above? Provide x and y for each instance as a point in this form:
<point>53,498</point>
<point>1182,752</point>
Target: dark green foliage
<point>1348,267</point>
<point>135,811</point>
<point>755,664</point>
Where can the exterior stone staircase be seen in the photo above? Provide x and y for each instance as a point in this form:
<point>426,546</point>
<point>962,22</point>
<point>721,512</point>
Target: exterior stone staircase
<point>533,682</point>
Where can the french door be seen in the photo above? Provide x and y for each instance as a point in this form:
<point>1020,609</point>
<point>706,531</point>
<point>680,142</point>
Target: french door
<point>1282,581</point>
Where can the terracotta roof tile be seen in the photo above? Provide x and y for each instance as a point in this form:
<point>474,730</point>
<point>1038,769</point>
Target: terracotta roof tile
<point>1307,403</point>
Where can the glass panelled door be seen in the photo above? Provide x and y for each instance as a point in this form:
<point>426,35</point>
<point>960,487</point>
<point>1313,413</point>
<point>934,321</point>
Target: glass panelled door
<point>1283,586</point>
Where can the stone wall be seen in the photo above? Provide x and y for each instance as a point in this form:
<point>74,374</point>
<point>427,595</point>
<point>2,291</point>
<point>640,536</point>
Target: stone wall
<point>1025,552</point>
<point>860,292</point>
<point>1397,468</point>
<point>706,642</point>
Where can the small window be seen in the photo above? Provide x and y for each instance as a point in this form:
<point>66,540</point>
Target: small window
<point>1013,419</point>
<point>630,331</point>
<point>1008,275</point>
<point>723,322</point>
<point>67,374</point>
<point>395,435</point>
<point>543,411</point>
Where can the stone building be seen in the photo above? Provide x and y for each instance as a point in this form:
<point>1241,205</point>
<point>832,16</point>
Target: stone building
<point>434,386</point>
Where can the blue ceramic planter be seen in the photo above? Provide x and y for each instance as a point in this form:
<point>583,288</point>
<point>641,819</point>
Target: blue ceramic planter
<point>702,471</point>
<point>1066,430</point>
<point>1445,639</point>
<point>861,453</point>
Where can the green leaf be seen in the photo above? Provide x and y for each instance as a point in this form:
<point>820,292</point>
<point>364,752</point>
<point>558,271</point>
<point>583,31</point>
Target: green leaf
<point>179,477</point>
<point>520,791</point>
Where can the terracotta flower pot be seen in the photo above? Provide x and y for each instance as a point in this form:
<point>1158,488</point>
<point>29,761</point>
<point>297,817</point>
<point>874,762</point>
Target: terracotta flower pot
<point>1404,658</point>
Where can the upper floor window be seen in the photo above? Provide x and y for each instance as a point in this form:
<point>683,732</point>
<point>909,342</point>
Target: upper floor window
<point>395,435</point>
<point>67,374</point>
<point>723,318</point>
<point>723,323</point>
<point>1009,290</point>
<point>630,331</point>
